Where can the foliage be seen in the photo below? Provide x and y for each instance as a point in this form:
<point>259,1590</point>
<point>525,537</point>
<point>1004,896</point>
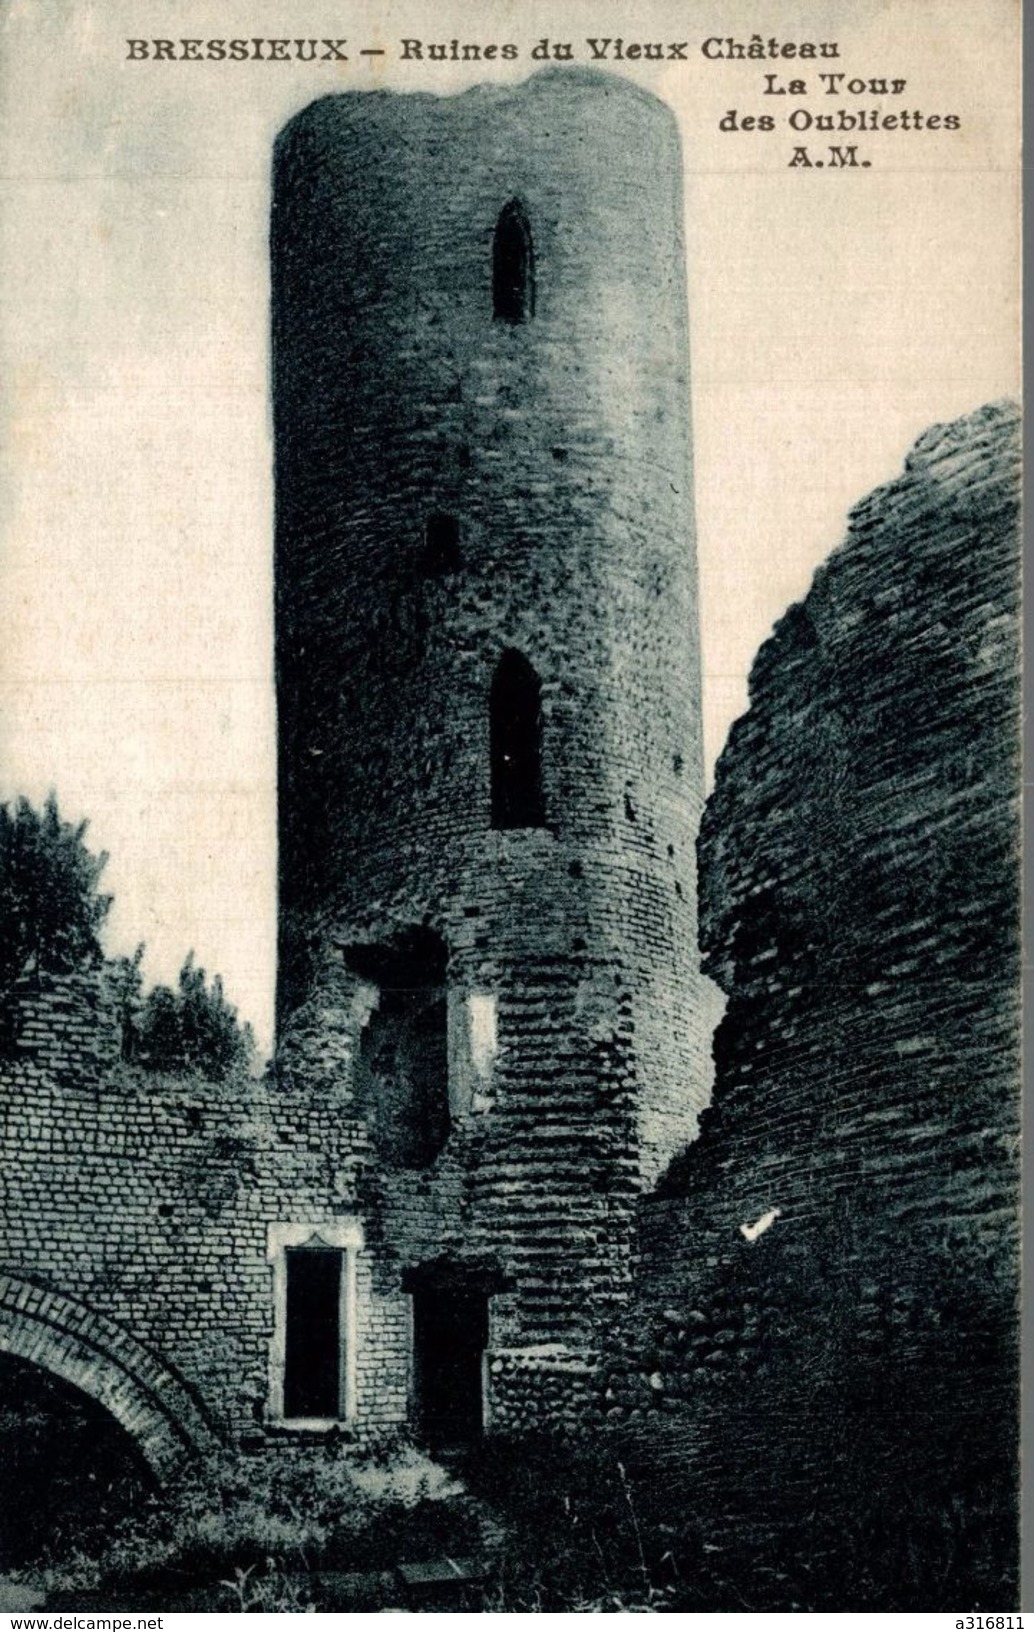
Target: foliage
<point>192,1028</point>
<point>668,1531</point>
<point>570,1526</point>
<point>246,1533</point>
<point>575,1535</point>
<point>51,911</point>
<point>51,915</point>
<point>271,1592</point>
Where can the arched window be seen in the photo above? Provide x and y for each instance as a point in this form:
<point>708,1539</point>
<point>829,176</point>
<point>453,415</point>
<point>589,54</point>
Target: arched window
<point>513,266</point>
<point>515,716</point>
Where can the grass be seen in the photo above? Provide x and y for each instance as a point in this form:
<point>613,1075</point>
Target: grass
<point>869,1514</point>
<point>248,1532</point>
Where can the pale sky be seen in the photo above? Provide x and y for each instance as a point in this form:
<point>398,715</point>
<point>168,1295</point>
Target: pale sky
<point>834,316</point>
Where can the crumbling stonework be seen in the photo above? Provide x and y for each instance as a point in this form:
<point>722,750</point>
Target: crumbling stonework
<point>485,578</point>
<point>493,1031</point>
<point>493,1027</point>
<point>828,1286</point>
<point>145,1201</point>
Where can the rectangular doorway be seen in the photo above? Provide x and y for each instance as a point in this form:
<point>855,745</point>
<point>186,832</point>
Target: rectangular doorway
<point>450,1335</point>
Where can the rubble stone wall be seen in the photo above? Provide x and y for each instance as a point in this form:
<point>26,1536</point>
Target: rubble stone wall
<point>829,1274</point>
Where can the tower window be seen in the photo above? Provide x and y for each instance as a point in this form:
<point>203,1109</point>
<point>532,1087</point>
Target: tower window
<point>515,718</point>
<point>513,266</point>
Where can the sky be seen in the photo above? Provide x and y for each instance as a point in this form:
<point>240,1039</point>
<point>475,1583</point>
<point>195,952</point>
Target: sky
<point>834,315</point>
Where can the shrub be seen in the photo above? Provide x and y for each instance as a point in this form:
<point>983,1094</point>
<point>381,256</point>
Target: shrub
<point>192,1028</point>
<point>51,911</point>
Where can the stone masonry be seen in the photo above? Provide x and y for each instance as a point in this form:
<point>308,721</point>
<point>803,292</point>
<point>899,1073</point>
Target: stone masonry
<point>828,1287</point>
<point>483,473</point>
<point>493,1031</point>
<point>436,1209</point>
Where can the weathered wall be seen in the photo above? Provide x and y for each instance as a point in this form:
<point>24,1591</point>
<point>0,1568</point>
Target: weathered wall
<point>134,1233</point>
<point>859,905</point>
<point>147,1199</point>
<point>560,959</point>
<point>561,446</point>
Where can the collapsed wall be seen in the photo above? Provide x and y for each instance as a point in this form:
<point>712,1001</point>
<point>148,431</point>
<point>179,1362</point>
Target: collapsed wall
<point>492,1027</point>
<point>828,1280</point>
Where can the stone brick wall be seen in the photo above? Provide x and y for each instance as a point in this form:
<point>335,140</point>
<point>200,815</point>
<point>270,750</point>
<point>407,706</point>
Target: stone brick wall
<point>832,1263</point>
<point>546,1387</point>
<point>68,1339</point>
<point>859,905</point>
<point>135,1222</point>
<point>575,1022</point>
<point>561,447</point>
<point>144,1200</point>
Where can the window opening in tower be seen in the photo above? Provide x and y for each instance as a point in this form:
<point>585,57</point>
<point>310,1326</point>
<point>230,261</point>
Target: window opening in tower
<point>515,716</point>
<point>513,266</point>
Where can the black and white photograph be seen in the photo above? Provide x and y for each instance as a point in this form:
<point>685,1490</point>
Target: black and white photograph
<point>509,808</point>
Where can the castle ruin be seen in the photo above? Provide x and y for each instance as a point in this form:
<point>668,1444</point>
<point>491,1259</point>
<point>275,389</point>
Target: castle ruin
<point>439,1211</point>
<point>489,707</point>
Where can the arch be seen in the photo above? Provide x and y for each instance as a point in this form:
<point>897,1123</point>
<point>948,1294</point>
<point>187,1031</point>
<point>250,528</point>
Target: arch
<point>146,1398</point>
<point>515,732</point>
<point>513,266</point>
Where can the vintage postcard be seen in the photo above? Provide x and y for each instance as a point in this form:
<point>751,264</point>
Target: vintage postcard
<point>509,783</point>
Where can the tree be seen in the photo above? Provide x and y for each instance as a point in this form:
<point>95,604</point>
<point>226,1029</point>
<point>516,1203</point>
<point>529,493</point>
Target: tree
<point>193,1028</point>
<point>51,914</point>
<point>51,911</point>
<point>127,983</point>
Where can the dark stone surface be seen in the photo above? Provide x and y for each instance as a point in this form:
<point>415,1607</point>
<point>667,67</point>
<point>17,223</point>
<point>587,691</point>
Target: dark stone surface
<point>859,888</point>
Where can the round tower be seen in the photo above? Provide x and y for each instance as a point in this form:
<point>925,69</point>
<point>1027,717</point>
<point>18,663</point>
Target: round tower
<point>487,656</point>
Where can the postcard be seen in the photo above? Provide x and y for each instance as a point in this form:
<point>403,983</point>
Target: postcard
<point>509,718</point>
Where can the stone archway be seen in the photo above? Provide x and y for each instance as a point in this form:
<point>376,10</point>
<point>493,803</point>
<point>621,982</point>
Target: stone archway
<point>146,1398</point>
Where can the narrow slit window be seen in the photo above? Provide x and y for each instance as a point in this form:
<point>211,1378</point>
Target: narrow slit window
<point>513,266</point>
<point>515,716</point>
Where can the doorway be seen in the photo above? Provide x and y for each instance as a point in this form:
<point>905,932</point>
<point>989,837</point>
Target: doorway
<point>450,1336</point>
<point>312,1349</point>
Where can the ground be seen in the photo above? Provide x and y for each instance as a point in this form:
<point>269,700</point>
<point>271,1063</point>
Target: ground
<point>520,1525</point>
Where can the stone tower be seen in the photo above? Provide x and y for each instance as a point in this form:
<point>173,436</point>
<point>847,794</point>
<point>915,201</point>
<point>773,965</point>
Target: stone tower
<point>489,713</point>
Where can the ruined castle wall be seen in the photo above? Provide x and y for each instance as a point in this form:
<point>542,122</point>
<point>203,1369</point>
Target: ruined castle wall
<point>148,1198</point>
<point>536,1182</point>
<point>144,1201</point>
<point>859,903</point>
